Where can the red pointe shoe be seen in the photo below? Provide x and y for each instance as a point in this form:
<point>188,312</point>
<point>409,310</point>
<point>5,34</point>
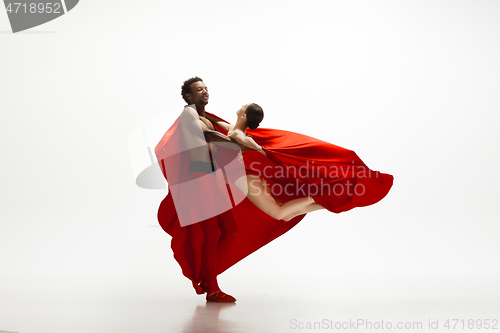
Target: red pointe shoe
<point>220,297</point>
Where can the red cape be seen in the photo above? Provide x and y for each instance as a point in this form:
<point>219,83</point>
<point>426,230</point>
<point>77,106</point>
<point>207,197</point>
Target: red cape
<point>296,165</point>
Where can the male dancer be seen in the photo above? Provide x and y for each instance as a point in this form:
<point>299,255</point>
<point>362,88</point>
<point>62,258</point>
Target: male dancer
<point>200,247</point>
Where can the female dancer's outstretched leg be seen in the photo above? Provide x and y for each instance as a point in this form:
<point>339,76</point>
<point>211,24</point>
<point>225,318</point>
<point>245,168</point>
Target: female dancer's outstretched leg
<point>308,209</point>
<point>260,195</point>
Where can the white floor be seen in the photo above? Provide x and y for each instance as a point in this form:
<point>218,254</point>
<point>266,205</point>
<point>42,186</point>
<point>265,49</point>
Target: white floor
<point>350,270</point>
<point>266,304</point>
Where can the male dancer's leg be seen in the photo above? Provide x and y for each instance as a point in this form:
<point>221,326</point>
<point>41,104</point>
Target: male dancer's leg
<point>229,231</point>
<point>208,270</point>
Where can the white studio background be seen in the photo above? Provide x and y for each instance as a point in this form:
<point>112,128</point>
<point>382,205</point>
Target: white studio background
<point>411,86</point>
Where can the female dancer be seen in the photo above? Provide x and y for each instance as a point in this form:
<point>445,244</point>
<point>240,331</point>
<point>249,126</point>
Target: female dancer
<point>256,189</point>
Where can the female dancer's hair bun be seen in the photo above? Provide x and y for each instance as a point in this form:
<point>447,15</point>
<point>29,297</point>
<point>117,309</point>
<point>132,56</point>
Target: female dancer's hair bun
<point>255,114</point>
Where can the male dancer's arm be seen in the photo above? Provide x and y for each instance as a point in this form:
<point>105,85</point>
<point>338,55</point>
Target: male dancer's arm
<point>194,143</point>
<point>196,136</point>
<point>217,136</point>
<point>220,139</point>
<point>214,137</point>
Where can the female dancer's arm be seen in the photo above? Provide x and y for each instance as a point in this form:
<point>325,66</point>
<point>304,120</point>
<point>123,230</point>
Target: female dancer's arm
<point>245,141</point>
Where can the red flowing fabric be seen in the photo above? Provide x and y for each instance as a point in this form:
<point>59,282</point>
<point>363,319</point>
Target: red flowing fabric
<point>296,166</point>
